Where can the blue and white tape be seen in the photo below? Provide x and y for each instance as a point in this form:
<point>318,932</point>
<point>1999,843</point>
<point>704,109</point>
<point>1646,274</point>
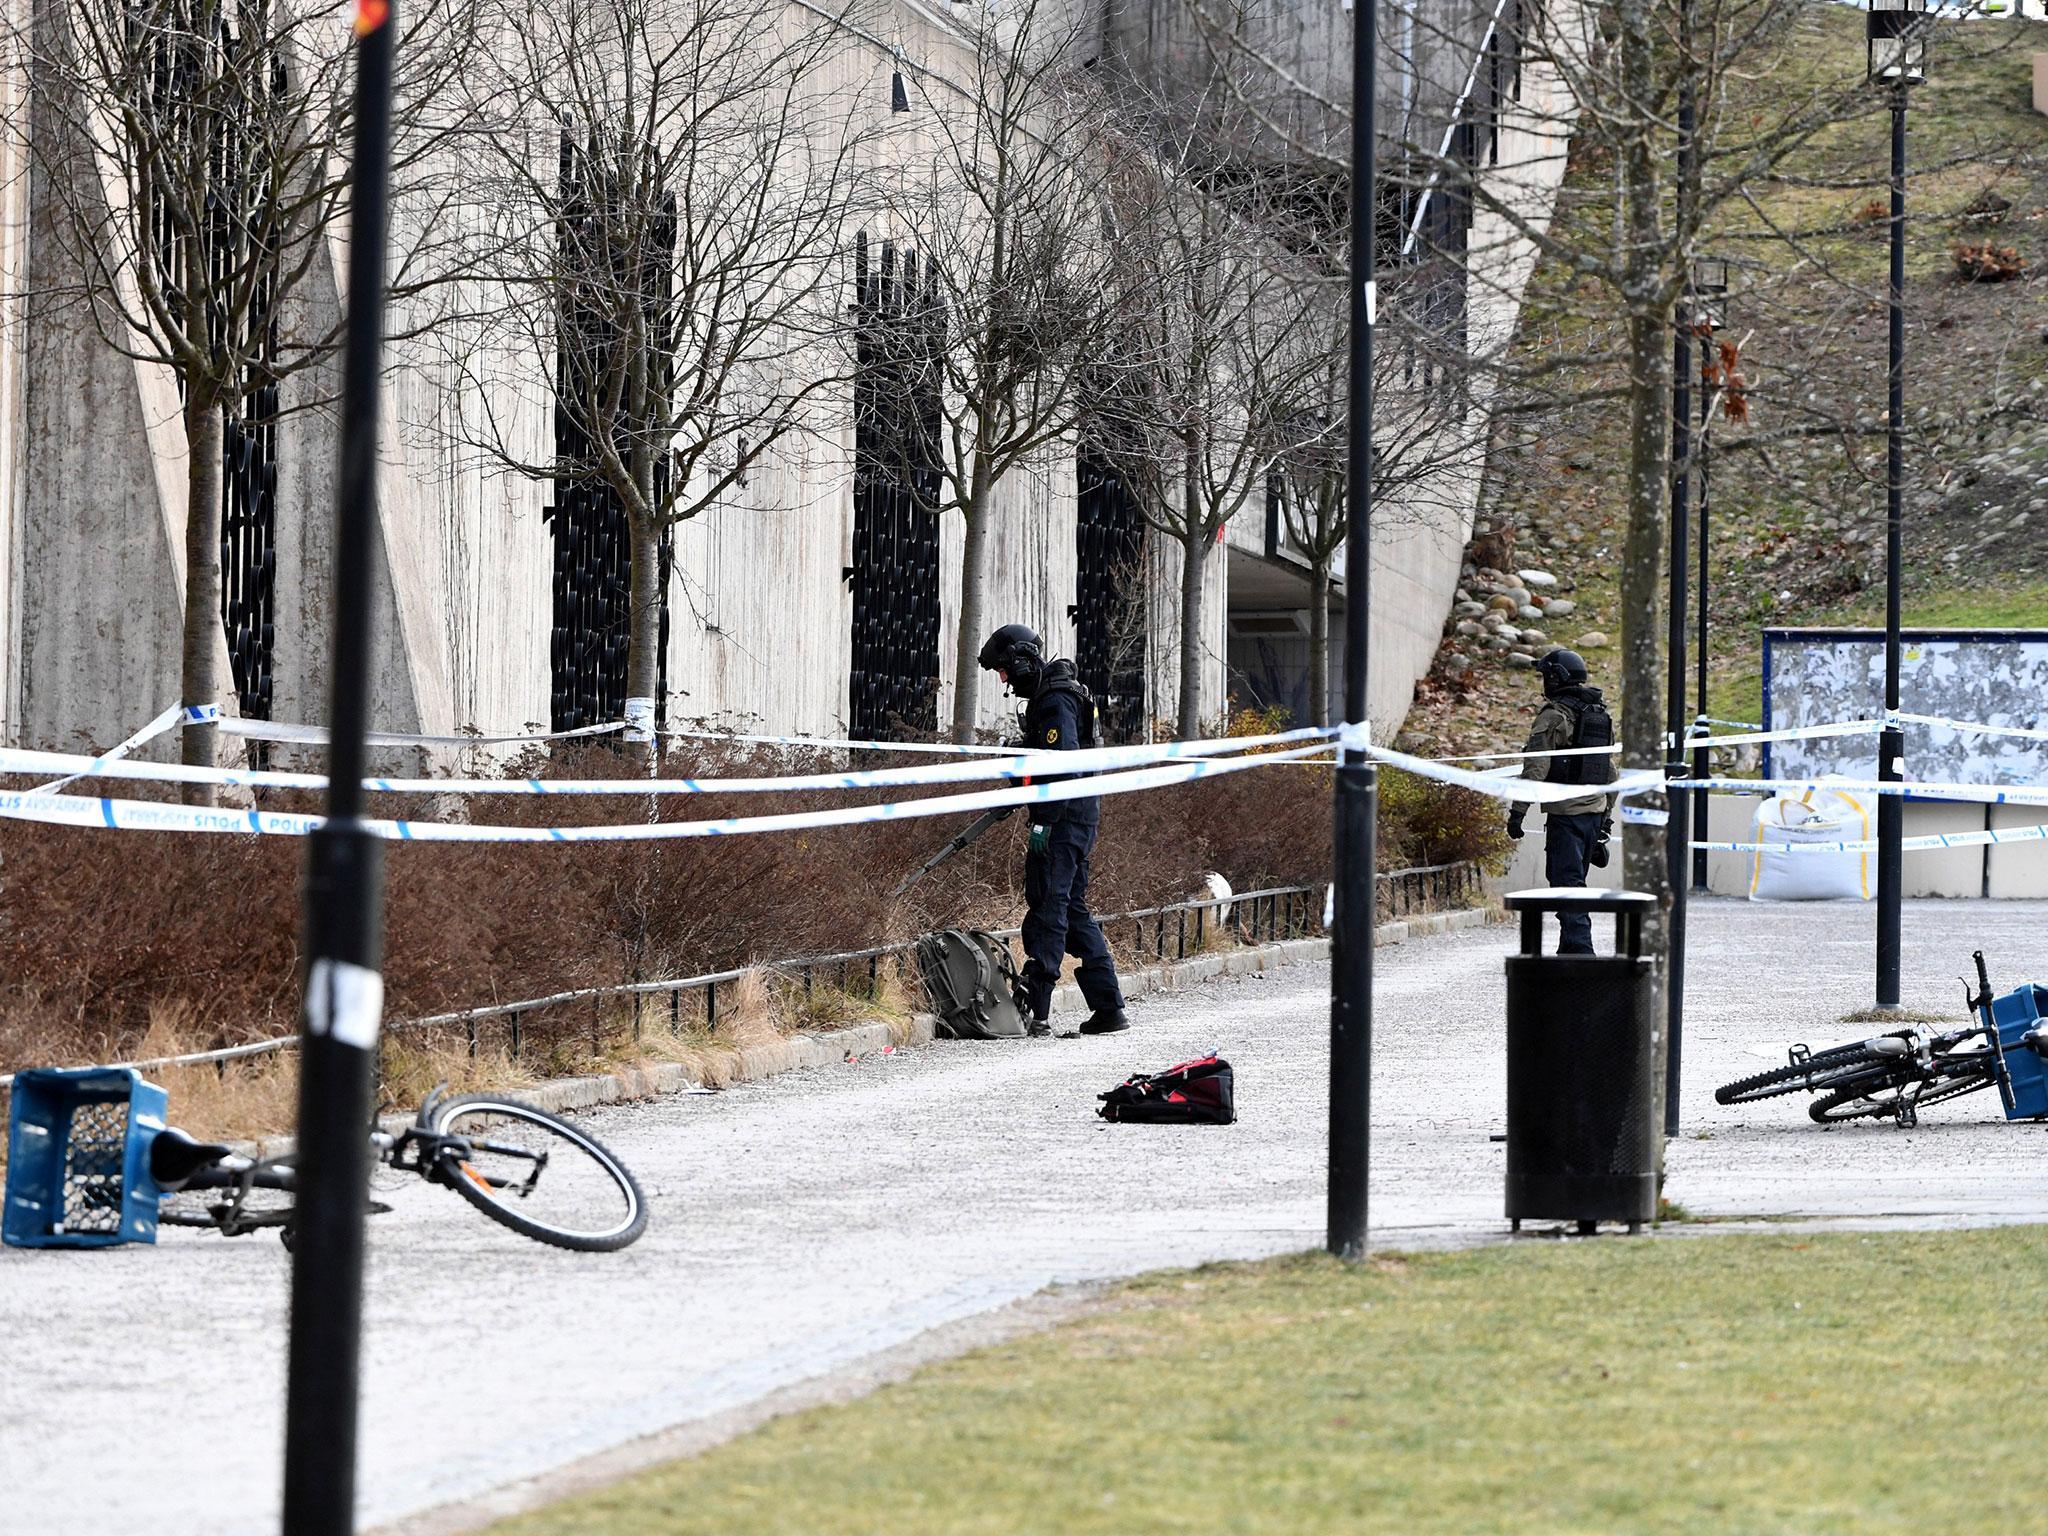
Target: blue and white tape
<point>175,715</point>
<point>140,815</point>
<point>1986,794</point>
<point>837,744</point>
<point>1017,766</point>
<point>316,735</point>
<point>1922,844</point>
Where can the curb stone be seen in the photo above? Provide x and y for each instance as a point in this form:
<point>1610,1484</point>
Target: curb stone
<point>795,1053</point>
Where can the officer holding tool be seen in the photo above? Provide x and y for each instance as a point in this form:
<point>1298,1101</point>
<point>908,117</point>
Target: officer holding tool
<point>1059,716</point>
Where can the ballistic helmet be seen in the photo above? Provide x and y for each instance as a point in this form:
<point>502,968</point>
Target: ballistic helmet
<point>1561,669</point>
<point>1016,652</point>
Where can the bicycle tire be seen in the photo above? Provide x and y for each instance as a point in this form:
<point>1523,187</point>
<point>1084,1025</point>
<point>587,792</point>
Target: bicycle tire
<point>593,1177</point>
<point>1813,1074</point>
<point>1856,1104</point>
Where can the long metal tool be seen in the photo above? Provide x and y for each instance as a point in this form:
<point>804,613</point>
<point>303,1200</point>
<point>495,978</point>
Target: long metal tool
<point>968,835</point>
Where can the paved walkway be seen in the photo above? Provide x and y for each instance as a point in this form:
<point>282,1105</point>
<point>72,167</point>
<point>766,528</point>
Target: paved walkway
<point>808,1222</point>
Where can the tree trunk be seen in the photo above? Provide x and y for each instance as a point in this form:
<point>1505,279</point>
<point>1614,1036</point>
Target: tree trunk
<point>643,638</point>
<point>1642,600</point>
<point>1194,563</point>
<point>199,674</point>
<point>1319,642</point>
<point>975,548</point>
<point>1642,556</point>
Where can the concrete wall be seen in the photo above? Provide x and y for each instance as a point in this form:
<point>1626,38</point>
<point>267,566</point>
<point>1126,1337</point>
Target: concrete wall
<point>92,517</point>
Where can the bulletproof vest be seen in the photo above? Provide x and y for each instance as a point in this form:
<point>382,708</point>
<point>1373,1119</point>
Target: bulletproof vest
<point>1592,726</point>
<point>1084,703</point>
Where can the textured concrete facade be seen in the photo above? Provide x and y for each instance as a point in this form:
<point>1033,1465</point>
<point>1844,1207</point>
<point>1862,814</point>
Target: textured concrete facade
<point>92,527</point>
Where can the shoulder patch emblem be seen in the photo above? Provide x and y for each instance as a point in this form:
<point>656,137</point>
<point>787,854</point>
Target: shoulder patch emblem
<point>1052,735</point>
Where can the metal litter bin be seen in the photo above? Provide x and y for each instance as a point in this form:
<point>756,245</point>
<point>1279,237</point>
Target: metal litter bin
<point>1585,1073</point>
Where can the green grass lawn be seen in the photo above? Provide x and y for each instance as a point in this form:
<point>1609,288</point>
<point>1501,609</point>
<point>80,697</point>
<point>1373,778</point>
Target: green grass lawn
<point>1719,1385</point>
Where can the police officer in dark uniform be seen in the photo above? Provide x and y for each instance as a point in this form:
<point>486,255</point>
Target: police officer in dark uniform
<point>1059,716</point>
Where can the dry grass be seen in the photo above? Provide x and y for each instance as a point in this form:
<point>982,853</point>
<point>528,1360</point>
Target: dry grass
<point>90,946</point>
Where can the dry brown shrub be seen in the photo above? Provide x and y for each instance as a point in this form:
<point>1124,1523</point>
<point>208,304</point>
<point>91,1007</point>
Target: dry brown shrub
<point>103,935</point>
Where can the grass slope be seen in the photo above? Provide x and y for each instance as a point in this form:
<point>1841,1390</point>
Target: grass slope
<point>1797,528</point>
<point>1734,1384</point>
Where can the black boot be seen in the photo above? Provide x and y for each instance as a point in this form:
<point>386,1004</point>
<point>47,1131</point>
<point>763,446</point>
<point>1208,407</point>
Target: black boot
<point>1105,1021</point>
<point>1038,1029</point>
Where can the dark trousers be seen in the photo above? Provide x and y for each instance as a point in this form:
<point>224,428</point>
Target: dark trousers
<point>1058,923</point>
<point>1567,843</point>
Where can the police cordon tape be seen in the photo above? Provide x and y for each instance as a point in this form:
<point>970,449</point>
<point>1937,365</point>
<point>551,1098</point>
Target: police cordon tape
<point>1987,794</point>
<point>142,815</point>
<point>175,715</point>
<point>1017,765</point>
<point>1923,844</point>
<point>316,735</point>
<point>839,744</point>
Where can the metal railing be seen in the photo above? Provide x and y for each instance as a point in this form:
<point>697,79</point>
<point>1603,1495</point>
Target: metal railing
<point>1253,917</point>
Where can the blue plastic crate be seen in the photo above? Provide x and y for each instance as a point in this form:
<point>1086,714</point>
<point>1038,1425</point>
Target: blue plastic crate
<point>2014,1014</point>
<point>78,1158</point>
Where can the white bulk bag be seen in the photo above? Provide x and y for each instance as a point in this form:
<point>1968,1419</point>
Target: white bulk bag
<point>1784,822</point>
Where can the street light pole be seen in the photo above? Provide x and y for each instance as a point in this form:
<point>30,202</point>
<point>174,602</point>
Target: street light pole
<point>1706,313</point>
<point>1701,762</point>
<point>1357,791</point>
<point>1678,819</point>
<point>1891,743</point>
<point>1896,43</point>
<point>344,988</point>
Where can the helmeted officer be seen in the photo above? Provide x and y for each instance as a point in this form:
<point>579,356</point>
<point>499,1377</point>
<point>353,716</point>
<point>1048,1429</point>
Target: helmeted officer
<point>1575,830</point>
<point>1059,716</point>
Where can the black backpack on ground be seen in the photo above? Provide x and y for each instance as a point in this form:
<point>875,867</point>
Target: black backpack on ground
<point>971,981</point>
<point>1592,726</point>
<point>1198,1092</point>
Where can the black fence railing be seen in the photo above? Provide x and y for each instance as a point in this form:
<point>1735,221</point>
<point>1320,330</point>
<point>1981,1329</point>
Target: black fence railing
<point>1179,928</point>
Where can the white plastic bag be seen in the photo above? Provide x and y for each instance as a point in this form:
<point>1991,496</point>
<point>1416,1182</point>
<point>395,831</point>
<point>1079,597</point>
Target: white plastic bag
<point>1785,822</point>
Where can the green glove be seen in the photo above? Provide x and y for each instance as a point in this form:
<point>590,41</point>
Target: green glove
<point>1040,837</point>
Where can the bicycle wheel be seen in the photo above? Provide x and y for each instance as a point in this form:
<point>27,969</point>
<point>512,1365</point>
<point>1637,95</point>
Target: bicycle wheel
<point>1858,1103</point>
<point>1815,1073</point>
<point>540,1175</point>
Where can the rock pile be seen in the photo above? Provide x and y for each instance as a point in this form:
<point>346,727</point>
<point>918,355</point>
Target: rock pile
<point>1510,618</point>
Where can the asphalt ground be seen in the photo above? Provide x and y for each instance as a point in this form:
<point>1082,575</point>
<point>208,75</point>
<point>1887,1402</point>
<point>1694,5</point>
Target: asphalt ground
<point>811,1222</point>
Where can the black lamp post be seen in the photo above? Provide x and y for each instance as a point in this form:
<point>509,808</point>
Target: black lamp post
<point>1357,790</point>
<point>1706,311</point>
<point>344,888</point>
<point>1896,39</point>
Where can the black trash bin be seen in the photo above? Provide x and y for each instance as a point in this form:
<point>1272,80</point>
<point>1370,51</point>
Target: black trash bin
<point>1585,1078</point>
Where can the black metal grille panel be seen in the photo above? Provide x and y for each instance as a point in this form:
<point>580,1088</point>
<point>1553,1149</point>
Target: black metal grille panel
<point>592,571</point>
<point>1109,598</point>
<point>900,319</point>
<point>95,1155</point>
<point>233,227</point>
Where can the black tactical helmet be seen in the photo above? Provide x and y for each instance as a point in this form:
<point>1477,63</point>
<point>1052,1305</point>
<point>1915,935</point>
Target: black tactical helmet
<point>1560,669</point>
<point>1016,651</point>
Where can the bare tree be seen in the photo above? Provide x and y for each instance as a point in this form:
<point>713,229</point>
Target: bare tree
<point>192,154</point>
<point>1212,313</point>
<point>1648,93</point>
<point>1007,210</point>
<point>670,187</point>
<point>1428,436</point>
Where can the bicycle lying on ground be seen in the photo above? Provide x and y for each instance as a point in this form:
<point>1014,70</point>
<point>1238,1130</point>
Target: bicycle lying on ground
<point>534,1172</point>
<point>1896,1075</point>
